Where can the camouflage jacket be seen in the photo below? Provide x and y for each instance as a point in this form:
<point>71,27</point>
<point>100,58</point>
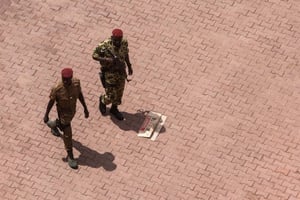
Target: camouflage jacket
<point>106,49</point>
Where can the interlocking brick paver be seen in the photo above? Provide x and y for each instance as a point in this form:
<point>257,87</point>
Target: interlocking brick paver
<point>225,73</point>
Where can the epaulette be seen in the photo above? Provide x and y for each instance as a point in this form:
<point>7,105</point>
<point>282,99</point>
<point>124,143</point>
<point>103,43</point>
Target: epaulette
<point>58,86</point>
<point>124,42</point>
<point>105,42</point>
<point>76,82</point>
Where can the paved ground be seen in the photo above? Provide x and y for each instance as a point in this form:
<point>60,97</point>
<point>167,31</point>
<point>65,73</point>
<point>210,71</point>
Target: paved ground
<point>226,73</point>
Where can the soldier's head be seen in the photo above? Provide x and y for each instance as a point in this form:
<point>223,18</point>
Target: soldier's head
<point>67,75</point>
<point>116,37</point>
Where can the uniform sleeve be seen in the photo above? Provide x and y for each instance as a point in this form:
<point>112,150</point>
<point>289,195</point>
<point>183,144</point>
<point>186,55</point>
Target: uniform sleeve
<point>52,95</point>
<point>99,51</point>
<point>77,84</point>
<point>125,46</point>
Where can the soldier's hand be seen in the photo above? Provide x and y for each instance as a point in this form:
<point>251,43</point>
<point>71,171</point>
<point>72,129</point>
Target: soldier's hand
<point>106,60</point>
<point>110,60</point>
<point>86,113</point>
<point>46,118</point>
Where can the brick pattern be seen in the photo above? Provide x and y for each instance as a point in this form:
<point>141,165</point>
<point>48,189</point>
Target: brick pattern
<point>226,73</point>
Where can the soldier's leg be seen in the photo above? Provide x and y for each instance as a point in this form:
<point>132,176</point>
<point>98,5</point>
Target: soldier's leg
<point>118,94</point>
<point>105,100</point>
<point>67,137</point>
<point>102,105</point>
<point>111,82</point>
<point>108,96</point>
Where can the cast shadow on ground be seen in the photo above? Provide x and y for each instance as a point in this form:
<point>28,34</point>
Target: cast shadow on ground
<point>94,159</point>
<point>132,121</point>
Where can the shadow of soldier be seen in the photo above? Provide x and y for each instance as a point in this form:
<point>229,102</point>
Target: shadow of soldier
<point>132,121</point>
<point>92,158</point>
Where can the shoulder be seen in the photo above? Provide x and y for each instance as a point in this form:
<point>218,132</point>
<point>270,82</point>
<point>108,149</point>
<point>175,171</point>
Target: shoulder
<point>124,42</point>
<point>105,43</point>
<point>56,90</point>
<point>58,86</point>
<point>76,82</point>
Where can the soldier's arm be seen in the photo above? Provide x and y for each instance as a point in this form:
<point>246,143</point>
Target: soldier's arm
<point>99,55</point>
<point>80,97</point>
<point>130,71</point>
<point>49,107</point>
<point>127,60</point>
<point>82,101</point>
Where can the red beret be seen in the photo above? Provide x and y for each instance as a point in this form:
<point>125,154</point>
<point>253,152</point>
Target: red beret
<point>67,73</point>
<point>117,33</point>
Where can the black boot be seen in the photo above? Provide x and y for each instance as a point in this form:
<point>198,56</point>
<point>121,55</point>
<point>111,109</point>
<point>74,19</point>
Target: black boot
<point>102,106</point>
<point>55,132</point>
<point>71,161</point>
<point>114,110</point>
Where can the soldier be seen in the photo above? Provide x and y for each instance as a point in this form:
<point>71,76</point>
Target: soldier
<point>65,94</point>
<point>112,55</point>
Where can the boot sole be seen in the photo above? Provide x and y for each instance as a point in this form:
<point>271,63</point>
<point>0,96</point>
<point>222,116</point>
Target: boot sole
<point>73,165</point>
<point>55,133</point>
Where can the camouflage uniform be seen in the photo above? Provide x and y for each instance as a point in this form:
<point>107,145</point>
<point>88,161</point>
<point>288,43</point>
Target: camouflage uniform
<point>115,74</point>
<point>66,98</point>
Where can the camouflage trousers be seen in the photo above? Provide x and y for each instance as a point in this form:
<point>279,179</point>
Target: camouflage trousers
<point>115,84</point>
